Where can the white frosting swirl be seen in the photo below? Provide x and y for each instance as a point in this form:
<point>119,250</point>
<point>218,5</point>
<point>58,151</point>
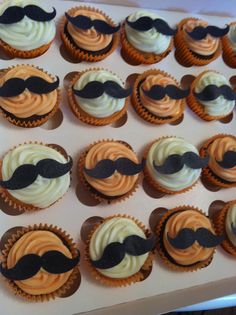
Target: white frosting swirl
<point>231,218</point>
<point>43,192</point>
<point>116,230</point>
<point>219,106</point>
<point>232,36</point>
<point>149,41</point>
<point>159,152</point>
<point>104,105</point>
<point>26,34</point>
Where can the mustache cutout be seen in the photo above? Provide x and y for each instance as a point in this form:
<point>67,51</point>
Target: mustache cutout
<point>201,32</point>
<point>145,23</point>
<point>186,238</point>
<point>175,162</point>
<point>37,85</point>
<point>29,265</point>
<point>233,228</point>
<point>229,160</point>
<point>158,92</point>
<point>85,23</point>
<point>15,14</point>
<point>26,174</point>
<point>95,89</point>
<point>114,253</point>
<point>106,168</point>
<point>211,92</point>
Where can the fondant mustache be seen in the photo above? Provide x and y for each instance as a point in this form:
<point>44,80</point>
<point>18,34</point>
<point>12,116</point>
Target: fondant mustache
<point>95,89</point>
<point>186,238</point>
<point>211,92</point>
<point>29,265</point>
<point>158,92</point>
<point>26,174</point>
<point>106,168</point>
<point>37,85</point>
<point>85,23</point>
<point>175,162</point>
<point>229,160</point>
<point>201,32</point>
<point>114,253</point>
<point>233,228</point>
<point>145,23</point>
<point>15,14</point>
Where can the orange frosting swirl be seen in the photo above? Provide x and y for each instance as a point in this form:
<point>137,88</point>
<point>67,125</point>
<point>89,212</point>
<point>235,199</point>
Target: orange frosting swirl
<point>216,152</point>
<point>187,219</point>
<point>27,103</point>
<point>164,107</point>
<point>117,184</point>
<point>39,242</point>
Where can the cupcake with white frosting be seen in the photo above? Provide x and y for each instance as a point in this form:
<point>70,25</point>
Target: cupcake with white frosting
<point>229,46</point>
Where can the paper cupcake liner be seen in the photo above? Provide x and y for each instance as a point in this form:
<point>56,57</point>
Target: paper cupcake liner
<point>123,281</point>
<point>85,117</point>
<point>161,250</point>
<point>95,194</point>
<point>229,55</point>
<point>80,54</point>
<point>66,240</point>
<point>142,111</point>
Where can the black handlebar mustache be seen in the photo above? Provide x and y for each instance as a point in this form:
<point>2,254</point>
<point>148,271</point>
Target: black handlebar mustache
<point>211,92</point>
<point>233,228</point>
<point>201,32</point>
<point>158,92</point>
<point>229,160</point>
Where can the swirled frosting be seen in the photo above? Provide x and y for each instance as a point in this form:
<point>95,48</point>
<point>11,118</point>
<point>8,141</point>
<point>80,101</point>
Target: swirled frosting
<point>229,220</point>
<point>39,242</point>
<point>117,184</point>
<point>206,46</point>
<point>116,230</point>
<point>90,39</point>
<point>149,41</point>
<point>219,106</point>
<point>27,103</point>
<point>216,152</point>
<point>26,34</point>
<point>159,152</point>
<point>164,107</point>
<point>104,105</point>
<point>192,220</point>
<point>43,192</point>
<point>232,36</point>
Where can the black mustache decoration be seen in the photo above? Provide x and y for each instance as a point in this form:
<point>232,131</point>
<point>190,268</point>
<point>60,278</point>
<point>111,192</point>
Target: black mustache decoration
<point>84,22</point>
<point>145,23</point>
<point>37,85</point>
<point>211,92</point>
<point>106,168</point>
<point>26,174</point>
<point>114,253</point>
<point>233,228</point>
<point>175,162</point>
<point>29,265</point>
<point>95,89</point>
<point>15,14</point>
<point>186,238</point>
<point>158,92</point>
<point>201,32</point>
<point>229,160</point>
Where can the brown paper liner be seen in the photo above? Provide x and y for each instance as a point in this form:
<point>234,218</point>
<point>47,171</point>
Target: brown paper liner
<point>81,55</point>
<point>161,251</point>
<point>85,117</point>
<point>206,171</point>
<point>184,55</point>
<point>142,111</point>
<point>229,55</point>
<point>97,196</point>
<point>67,240</point>
<point>123,281</point>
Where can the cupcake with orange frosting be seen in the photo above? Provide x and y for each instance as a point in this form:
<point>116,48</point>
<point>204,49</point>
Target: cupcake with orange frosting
<point>229,46</point>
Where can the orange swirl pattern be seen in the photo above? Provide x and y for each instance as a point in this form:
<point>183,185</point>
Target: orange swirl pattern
<point>27,103</point>
<point>117,184</point>
<point>39,242</point>
<point>164,107</point>
<point>187,219</point>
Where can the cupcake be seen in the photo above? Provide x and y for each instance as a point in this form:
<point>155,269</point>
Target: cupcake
<point>27,28</point>
<point>229,46</point>
<point>146,37</point>
<point>173,165</point>
<point>110,170</point>
<point>158,98</point>
<point>89,34</point>
<point>197,43</point>
<point>211,96</point>
<point>221,169</point>
<point>98,97</point>
<point>39,262</point>
<point>34,176</point>
<point>119,251</point>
